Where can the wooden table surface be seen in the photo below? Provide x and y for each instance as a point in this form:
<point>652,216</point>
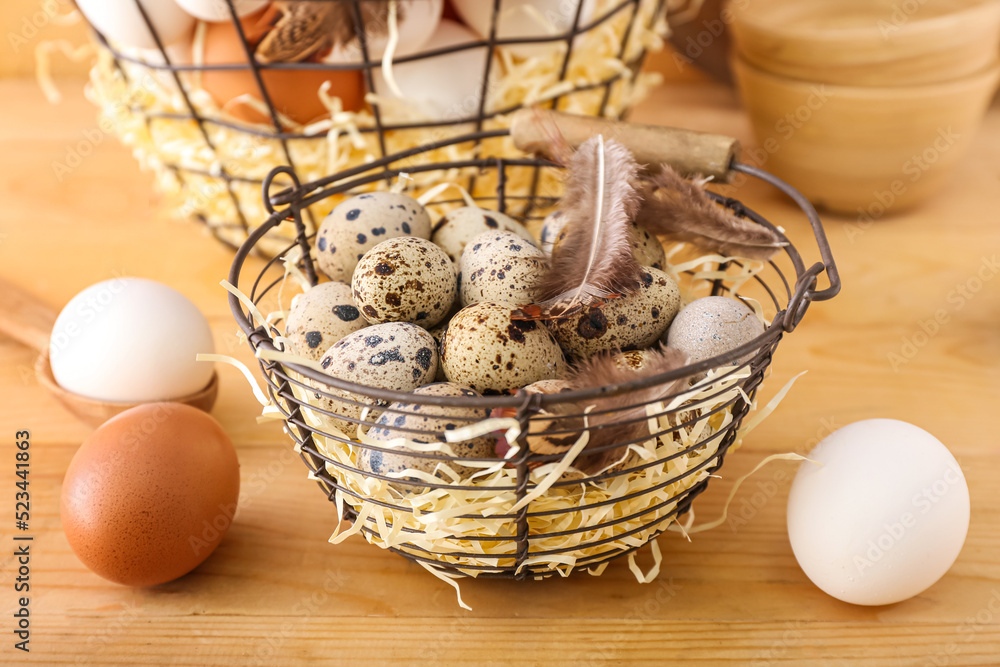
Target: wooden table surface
<point>275,592</point>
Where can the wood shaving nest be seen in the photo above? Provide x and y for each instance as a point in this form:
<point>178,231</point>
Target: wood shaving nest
<point>424,522</point>
<point>189,171</point>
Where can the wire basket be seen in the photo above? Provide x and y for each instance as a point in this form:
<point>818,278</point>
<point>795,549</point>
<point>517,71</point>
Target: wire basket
<point>211,155</point>
<point>525,517</point>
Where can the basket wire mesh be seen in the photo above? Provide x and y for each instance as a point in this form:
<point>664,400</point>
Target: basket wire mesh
<point>785,286</point>
<point>203,181</point>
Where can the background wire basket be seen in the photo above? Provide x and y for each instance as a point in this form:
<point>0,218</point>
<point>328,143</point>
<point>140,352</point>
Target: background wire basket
<point>488,527</point>
<point>211,155</point>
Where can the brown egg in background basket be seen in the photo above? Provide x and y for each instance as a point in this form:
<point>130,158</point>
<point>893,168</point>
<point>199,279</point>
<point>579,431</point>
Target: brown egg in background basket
<point>532,514</point>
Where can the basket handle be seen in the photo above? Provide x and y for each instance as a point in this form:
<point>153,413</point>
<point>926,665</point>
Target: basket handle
<point>686,151</point>
<point>24,317</point>
<point>806,281</point>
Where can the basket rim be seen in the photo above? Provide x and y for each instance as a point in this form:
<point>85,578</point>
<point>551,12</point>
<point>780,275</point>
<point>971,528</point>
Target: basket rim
<point>301,196</point>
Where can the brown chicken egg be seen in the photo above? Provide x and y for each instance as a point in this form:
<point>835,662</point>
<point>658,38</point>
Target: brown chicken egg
<point>150,494</point>
<point>294,92</point>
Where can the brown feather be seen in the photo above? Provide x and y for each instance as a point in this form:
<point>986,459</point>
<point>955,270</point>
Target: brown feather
<point>594,262</point>
<point>680,209</point>
<point>625,420</point>
<point>308,29</point>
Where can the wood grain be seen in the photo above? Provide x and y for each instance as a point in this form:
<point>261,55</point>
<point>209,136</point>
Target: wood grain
<point>276,592</point>
<point>24,317</point>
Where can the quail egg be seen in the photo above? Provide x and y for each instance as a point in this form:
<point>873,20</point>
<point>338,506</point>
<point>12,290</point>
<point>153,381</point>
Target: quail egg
<point>405,279</point>
<point>501,267</point>
<point>422,424</point>
<point>713,325</point>
<point>360,223</point>
<point>486,350</point>
<point>395,355</point>
<point>629,322</point>
<point>320,317</point>
<point>646,247</point>
<point>454,231</point>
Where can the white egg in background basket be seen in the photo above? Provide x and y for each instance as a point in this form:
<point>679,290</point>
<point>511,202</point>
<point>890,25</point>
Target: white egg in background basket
<point>445,87</point>
<point>218,10</point>
<point>130,339</point>
<point>525,18</point>
<point>154,75</point>
<point>882,517</point>
<point>122,22</point>
<point>416,22</point>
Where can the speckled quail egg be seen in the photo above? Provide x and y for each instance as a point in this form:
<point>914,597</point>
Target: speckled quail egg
<point>320,317</point>
<point>360,223</point>
<point>454,231</point>
<point>486,350</point>
<point>400,420</point>
<point>405,279</point>
<point>501,267</point>
<point>630,322</point>
<point>646,247</point>
<point>711,326</point>
<point>394,355</point>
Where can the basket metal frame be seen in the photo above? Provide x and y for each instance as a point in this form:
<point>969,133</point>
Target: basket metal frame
<point>280,377</point>
<point>367,65</point>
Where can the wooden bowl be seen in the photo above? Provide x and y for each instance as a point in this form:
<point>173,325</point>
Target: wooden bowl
<point>868,42</point>
<point>95,412</point>
<point>862,150</point>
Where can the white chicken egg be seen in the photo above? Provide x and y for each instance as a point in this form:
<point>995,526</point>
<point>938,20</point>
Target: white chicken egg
<point>444,87</point>
<point>122,22</point>
<point>218,10</point>
<point>882,516</point>
<point>416,22</point>
<point>524,19</point>
<point>154,72</point>
<point>130,339</point>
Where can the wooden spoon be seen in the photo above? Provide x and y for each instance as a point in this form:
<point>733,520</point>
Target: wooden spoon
<point>29,321</point>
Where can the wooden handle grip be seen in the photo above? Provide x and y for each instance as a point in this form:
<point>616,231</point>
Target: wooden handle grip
<point>24,318</point>
<point>686,151</point>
